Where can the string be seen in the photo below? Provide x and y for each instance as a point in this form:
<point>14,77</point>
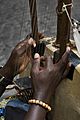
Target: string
<point>22,24</point>
<point>64,8</point>
<point>16,66</point>
<point>34,24</point>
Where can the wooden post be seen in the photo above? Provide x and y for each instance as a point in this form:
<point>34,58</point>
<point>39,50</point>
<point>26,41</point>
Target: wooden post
<point>34,24</point>
<point>63,25</point>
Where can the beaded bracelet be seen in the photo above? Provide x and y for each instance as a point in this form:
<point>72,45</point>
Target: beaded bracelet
<point>34,101</point>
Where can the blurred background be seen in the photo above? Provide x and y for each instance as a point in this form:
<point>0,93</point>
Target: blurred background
<point>15,22</point>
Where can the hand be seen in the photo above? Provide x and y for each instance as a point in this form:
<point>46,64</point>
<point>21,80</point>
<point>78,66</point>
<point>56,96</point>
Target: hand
<point>19,59</point>
<point>45,79</point>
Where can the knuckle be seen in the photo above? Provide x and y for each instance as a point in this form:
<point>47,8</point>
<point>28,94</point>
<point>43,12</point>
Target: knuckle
<point>17,52</point>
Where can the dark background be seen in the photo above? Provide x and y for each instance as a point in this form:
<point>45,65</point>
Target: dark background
<point>15,22</point>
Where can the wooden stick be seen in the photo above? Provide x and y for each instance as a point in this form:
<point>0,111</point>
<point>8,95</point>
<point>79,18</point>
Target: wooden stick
<point>63,25</point>
<point>34,24</point>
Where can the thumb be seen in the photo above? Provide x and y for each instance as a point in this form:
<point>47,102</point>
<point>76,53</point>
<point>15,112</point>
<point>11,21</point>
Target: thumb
<point>36,63</point>
<point>31,42</point>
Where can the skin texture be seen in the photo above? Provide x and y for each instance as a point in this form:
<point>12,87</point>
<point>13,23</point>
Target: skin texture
<point>16,63</point>
<point>18,60</point>
<point>45,80</point>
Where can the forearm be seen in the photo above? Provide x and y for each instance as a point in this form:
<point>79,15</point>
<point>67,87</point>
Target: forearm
<point>6,80</point>
<point>3,84</point>
<point>36,112</point>
<point>2,89</point>
<point>6,72</point>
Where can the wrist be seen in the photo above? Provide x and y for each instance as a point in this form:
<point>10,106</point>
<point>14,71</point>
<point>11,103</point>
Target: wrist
<point>43,96</point>
<point>41,103</point>
<point>6,72</point>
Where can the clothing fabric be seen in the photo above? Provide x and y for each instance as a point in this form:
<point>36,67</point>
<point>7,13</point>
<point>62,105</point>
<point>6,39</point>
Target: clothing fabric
<point>16,110</point>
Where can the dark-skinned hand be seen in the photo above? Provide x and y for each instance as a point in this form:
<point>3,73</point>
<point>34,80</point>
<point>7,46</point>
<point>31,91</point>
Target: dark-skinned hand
<point>19,57</point>
<point>45,79</point>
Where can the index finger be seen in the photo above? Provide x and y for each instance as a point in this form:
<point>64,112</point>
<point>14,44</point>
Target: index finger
<point>64,60</point>
<point>26,42</point>
<point>31,42</point>
<point>49,62</point>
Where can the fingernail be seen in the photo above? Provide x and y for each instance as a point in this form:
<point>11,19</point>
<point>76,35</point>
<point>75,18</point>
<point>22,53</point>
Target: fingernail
<point>30,40</point>
<point>68,49</point>
<point>36,55</point>
<point>34,44</point>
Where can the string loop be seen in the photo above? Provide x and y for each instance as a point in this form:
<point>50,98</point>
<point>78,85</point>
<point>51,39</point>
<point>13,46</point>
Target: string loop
<point>64,9</point>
